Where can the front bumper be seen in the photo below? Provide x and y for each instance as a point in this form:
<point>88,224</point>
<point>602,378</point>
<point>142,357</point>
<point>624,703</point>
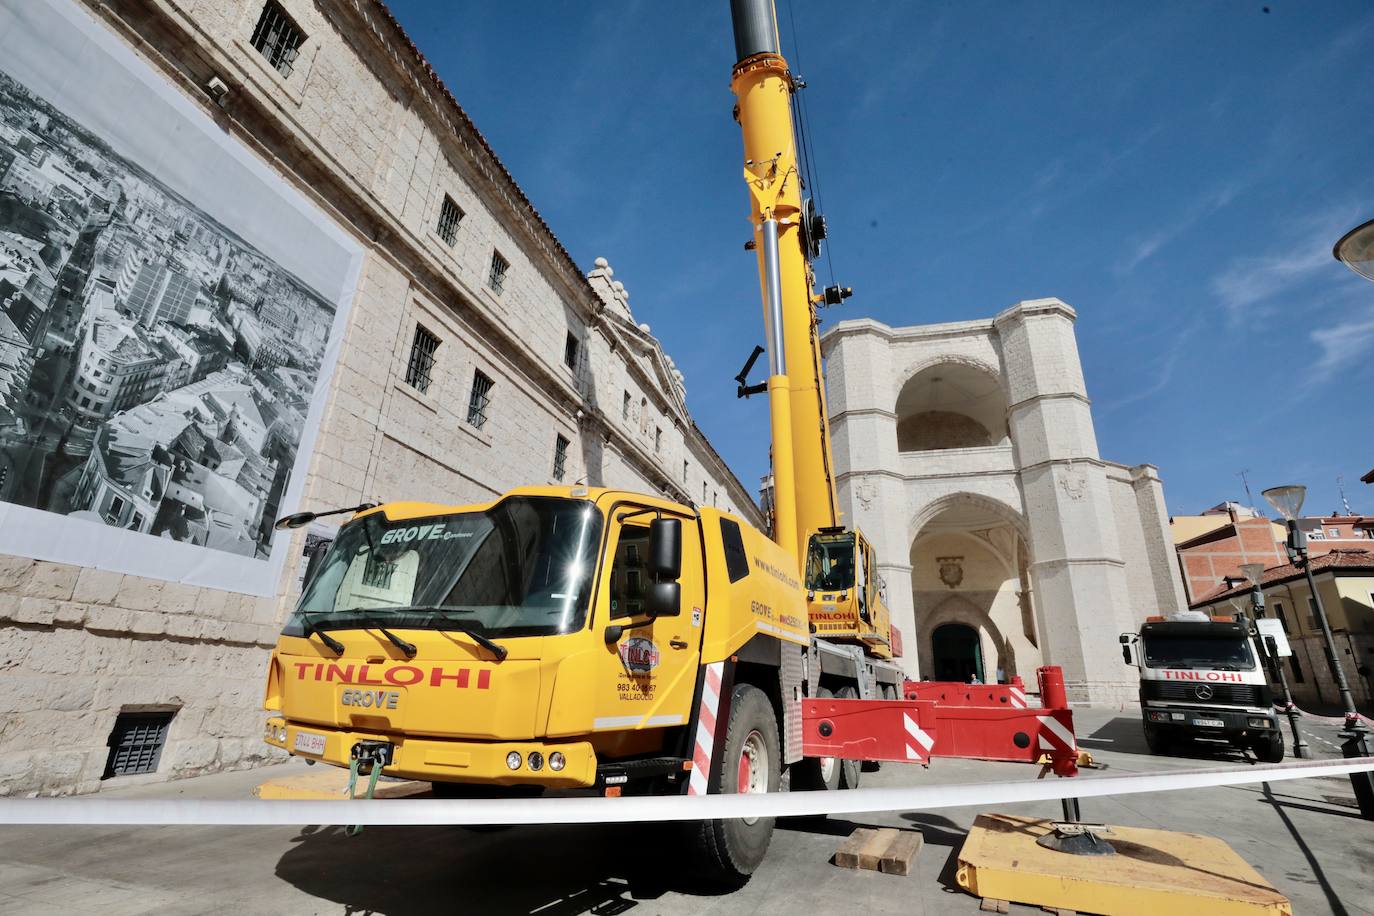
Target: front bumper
<point>1234,721</point>
<point>440,760</point>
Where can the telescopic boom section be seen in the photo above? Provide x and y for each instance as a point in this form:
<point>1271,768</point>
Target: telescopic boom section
<point>803,490</point>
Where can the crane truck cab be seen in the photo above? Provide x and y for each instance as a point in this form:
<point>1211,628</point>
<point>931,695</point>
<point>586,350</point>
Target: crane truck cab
<point>846,598</point>
<point>1201,677</point>
<point>555,638</point>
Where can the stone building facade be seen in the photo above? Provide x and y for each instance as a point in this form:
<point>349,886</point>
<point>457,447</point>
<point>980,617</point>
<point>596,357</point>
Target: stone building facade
<point>455,256</point>
<point>966,451</point>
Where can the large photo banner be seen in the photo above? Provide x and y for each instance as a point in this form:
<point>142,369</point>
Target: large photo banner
<point>170,315</point>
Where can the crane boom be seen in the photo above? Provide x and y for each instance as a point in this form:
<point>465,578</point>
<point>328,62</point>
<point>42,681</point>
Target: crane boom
<point>845,595</point>
<point>803,486</point>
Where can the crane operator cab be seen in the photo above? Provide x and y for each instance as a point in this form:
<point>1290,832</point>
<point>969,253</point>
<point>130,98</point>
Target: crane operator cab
<point>845,595</point>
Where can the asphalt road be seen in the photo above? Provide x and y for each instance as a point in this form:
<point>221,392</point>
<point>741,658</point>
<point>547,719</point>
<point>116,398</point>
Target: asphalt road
<point>1304,836</point>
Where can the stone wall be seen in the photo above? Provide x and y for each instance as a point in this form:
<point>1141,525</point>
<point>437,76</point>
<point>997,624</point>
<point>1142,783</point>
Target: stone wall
<point>365,130</point>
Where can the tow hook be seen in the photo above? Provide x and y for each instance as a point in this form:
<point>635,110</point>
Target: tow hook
<point>366,758</point>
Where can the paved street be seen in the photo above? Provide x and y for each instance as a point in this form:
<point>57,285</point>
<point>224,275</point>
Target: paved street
<point>1304,836</point>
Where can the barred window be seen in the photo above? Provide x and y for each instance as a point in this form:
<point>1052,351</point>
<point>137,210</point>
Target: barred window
<point>277,37</point>
<point>571,346</point>
<point>479,399</point>
<point>420,369</point>
<point>560,457</point>
<point>449,218</point>
<point>625,407</point>
<point>496,277</point>
<point>658,440</point>
<point>136,743</point>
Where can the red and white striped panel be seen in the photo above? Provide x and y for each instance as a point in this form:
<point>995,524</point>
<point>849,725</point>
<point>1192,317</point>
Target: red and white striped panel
<point>1018,697</point>
<point>1054,735</point>
<point>918,742</point>
<point>706,730</point>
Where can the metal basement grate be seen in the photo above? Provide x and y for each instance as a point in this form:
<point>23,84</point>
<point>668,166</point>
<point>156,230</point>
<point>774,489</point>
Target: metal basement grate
<point>136,743</point>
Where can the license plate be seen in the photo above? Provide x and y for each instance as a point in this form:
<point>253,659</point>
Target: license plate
<point>1205,723</point>
<point>309,743</point>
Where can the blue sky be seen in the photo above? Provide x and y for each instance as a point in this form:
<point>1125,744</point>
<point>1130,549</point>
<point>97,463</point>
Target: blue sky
<point>1177,172</point>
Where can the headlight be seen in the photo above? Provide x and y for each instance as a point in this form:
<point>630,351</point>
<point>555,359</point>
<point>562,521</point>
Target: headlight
<point>513,760</point>
<point>536,760</point>
<point>557,761</point>
<point>1259,723</point>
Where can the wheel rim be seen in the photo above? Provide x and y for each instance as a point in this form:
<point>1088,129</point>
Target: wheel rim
<point>752,773</point>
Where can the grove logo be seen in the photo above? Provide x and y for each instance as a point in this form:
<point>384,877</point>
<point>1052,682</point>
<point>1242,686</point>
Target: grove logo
<point>639,655</point>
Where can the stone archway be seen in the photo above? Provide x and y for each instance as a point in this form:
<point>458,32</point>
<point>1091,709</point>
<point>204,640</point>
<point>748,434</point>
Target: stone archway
<point>951,404</point>
<point>995,652</point>
<point>969,558</point>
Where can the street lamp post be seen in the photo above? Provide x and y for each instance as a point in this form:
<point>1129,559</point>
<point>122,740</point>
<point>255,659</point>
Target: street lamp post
<point>1355,738</point>
<point>1253,571</point>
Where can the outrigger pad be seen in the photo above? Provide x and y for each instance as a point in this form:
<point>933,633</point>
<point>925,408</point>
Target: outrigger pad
<point>1153,871</point>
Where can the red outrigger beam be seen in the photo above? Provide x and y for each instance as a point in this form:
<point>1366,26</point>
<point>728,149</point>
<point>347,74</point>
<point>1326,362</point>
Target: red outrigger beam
<point>983,722</point>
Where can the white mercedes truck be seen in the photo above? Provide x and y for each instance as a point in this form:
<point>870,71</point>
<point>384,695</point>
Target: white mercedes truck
<point>1202,677</point>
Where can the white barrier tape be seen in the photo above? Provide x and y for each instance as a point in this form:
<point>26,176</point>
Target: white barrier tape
<point>398,812</point>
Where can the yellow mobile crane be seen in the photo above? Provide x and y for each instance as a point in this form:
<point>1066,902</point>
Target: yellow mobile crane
<point>563,638</point>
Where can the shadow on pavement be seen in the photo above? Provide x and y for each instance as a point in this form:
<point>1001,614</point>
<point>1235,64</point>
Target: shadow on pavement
<point>1126,735</point>
<point>569,870</point>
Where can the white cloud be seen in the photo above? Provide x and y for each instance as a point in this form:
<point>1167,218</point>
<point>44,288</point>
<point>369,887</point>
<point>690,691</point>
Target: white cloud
<point>1248,281</point>
<point>1342,344</point>
<point>1205,206</point>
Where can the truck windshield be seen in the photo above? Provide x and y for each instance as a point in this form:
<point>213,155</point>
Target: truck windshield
<point>522,568</point>
<point>830,562</point>
<point>1218,653</point>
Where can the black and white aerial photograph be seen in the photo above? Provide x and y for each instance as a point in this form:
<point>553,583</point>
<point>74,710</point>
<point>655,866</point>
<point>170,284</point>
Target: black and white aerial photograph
<point>156,369</point>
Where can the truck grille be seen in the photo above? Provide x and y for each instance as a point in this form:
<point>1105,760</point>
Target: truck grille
<point>1236,694</point>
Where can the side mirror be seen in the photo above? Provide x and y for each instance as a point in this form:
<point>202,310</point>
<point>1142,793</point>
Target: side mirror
<point>1126,654</point>
<point>664,599</point>
<point>665,549</point>
<point>1124,639</point>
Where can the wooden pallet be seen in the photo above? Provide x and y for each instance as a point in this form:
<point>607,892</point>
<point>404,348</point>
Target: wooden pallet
<point>884,849</point>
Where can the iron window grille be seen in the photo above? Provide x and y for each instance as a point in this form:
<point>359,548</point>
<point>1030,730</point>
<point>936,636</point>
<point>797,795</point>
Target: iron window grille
<point>278,38</point>
<point>136,743</point>
<point>658,440</point>
<point>625,407</point>
<point>496,277</point>
<point>449,218</point>
<point>560,457</point>
<point>479,399</point>
<point>571,346</point>
<point>420,369</point>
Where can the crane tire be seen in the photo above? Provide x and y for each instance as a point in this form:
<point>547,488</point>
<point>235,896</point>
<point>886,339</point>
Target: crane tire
<point>849,769</point>
<point>729,850</point>
<point>816,774</point>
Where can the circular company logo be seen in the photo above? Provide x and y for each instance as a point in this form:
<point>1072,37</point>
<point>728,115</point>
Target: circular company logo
<point>1203,692</point>
<point>639,655</point>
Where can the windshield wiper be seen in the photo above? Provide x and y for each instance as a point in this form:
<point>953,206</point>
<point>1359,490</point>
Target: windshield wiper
<point>470,628</point>
<point>311,627</point>
<point>406,647</point>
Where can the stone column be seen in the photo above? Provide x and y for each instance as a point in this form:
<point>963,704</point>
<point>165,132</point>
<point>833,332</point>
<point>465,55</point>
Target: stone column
<point>1076,570</point>
<point>1159,545</point>
<point>863,431</point>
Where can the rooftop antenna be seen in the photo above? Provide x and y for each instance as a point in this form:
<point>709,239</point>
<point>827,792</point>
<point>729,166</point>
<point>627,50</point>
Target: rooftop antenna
<point>1340,485</point>
<point>1248,496</point>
